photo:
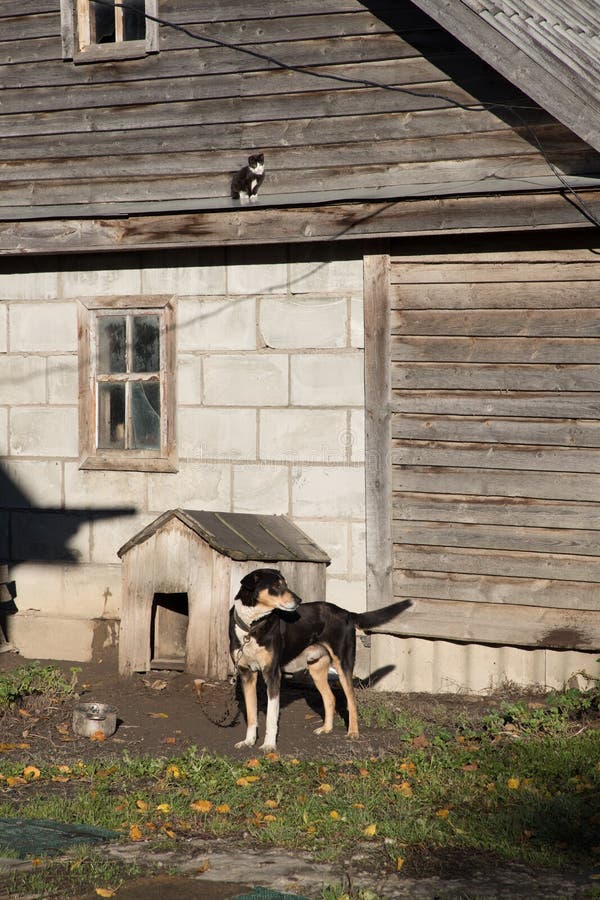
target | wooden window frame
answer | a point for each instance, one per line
(90, 456)
(76, 40)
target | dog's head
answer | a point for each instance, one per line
(267, 587)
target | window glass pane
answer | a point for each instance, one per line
(145, 415)
(111, 416)
(104, 23)
(112, 345)
(146, 344)
(134, 25)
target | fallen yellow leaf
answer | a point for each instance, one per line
(106, 892)
(513, 784)
(203, 867)
(98, 736)
(253, 763)
(141, 804)
(163, 808)
(135, 833)
(404, 789)
(174, 771)
(158, 715)
(370, 830)
(223, 808)
(399, 863)
(202, 806)
(31, 772)
(442, 813)
(324, 788)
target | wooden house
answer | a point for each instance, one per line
(396, 346)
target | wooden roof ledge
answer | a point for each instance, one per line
(240, 536)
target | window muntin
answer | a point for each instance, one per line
(108, 30)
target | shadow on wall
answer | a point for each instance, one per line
(480, 80)
(31, 533)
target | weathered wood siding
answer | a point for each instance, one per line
(175, 125)
(495, 393)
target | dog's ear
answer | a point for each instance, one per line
(249, 585)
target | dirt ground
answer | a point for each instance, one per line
(159, 713)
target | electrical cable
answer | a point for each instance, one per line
(363, 82)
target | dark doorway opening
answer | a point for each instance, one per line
(168, 631)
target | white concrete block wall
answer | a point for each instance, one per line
(270, 394)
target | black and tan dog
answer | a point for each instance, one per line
(270, 632)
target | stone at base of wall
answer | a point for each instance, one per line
(442, 667)
(38, 636)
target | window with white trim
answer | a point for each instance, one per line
(93, 30)
(127, 406)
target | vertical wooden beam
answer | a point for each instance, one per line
(376, 283)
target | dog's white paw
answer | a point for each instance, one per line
(246, 743)
(323, 730)
(268, 748)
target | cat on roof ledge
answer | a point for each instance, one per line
(246, 182)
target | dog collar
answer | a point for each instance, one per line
(243, 626)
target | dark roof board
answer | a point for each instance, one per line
(549, 49)
(240, 536)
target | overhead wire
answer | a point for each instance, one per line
(365, 82)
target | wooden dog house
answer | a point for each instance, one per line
(181, 573)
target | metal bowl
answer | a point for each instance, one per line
(93, 717)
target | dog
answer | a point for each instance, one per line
(271, 632)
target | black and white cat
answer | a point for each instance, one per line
(246, 182)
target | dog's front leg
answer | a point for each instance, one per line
(273, 680)
(249, 679)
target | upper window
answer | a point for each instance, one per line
(93, 30)
(127, 402)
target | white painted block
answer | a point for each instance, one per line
(31, 483)
(349, 594)
(216, 433)
(261, 489)
(44, 431)
(22, 379)
(356, 438)
(332, 537)
(185, 272)
(108, 535)
(43, 327)
(28, 286)
(53, 536)
(103, 282)
(63, 379)
(327, 379)
(357, 325)
(189, 380)
(3, 431)
(358, 566)
(89, 489)
(225, 324)
(320, 267)
(303, 435)
(256, 380)
(256, 270)
(3, 327)
(303, 322)
(195, 486)
(336, 492)
(40, 637)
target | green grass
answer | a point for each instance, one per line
(526, 793)
(35, 679)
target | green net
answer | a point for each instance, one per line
(43, 837)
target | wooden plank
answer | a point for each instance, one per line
(488, 623)
(573, 541)
(584, 405)
(495, 350)
(474, 561)
(497, 589)
(517, 511)
(561, 432)
(495, 456)
(554, 253)
(519, 272)
(377, 427)
(483, 377)
(504, 295)
(344, 221)
(497, 482)
(491, 323)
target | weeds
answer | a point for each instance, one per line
(28, 680)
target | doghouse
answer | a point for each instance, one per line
(180, 575)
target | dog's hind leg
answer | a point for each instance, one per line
(318, 671)
(249, 680)
(273, 680)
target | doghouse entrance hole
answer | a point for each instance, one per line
(168, 631)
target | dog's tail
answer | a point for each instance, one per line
(377, 617)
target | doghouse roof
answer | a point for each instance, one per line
(240, 536)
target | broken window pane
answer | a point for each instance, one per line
(145, 415)
(146, 344)
(111, 416)
(134, 24)
(112, 345)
